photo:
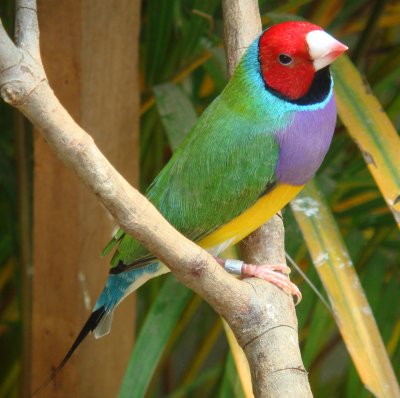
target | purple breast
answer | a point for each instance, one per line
(304, 144)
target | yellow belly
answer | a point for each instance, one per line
(251, 219)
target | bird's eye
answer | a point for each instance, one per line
(285, 59)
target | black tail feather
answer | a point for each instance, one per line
(90, 325)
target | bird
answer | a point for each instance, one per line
(249, 154)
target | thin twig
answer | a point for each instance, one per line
(9, 56)
(26, 27)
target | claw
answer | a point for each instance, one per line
(276, 274)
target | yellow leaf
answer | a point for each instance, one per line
(242, 366)
(350, 306)
(371, 129)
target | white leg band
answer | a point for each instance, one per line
(234, 266)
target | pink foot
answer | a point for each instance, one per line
(276, 274)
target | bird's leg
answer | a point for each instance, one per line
(276, 274)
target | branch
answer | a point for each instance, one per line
(27, 27)
(23, 84)
(283, 373)
(242, 24)
(8, 55)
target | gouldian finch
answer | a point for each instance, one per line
(248, 155)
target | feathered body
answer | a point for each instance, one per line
(248, 155)
(252, 147)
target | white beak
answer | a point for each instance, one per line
(323, 48)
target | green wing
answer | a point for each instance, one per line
(224, 165)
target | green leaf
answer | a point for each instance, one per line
(205, 378)
(230, 385)
(153, 337)
(371, 129)
(176, 112)
(352, 312)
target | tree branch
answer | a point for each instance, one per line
(281, 373)
(242, 24)
(244, 304)
(9, 56)
(24, 86)
(27, 27)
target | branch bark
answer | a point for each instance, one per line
(90, 52)
(281, 373)
(26, 27)
(255, 310)
(23, 84)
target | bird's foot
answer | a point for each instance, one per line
(274, 273)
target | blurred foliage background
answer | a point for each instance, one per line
(182, 69)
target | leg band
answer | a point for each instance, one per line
(234, 266)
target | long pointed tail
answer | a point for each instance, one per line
(118, 286)
(89, 327)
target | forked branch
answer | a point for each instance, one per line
(245, 305)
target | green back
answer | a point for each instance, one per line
(223, 166)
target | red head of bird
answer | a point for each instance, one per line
(291, 53)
